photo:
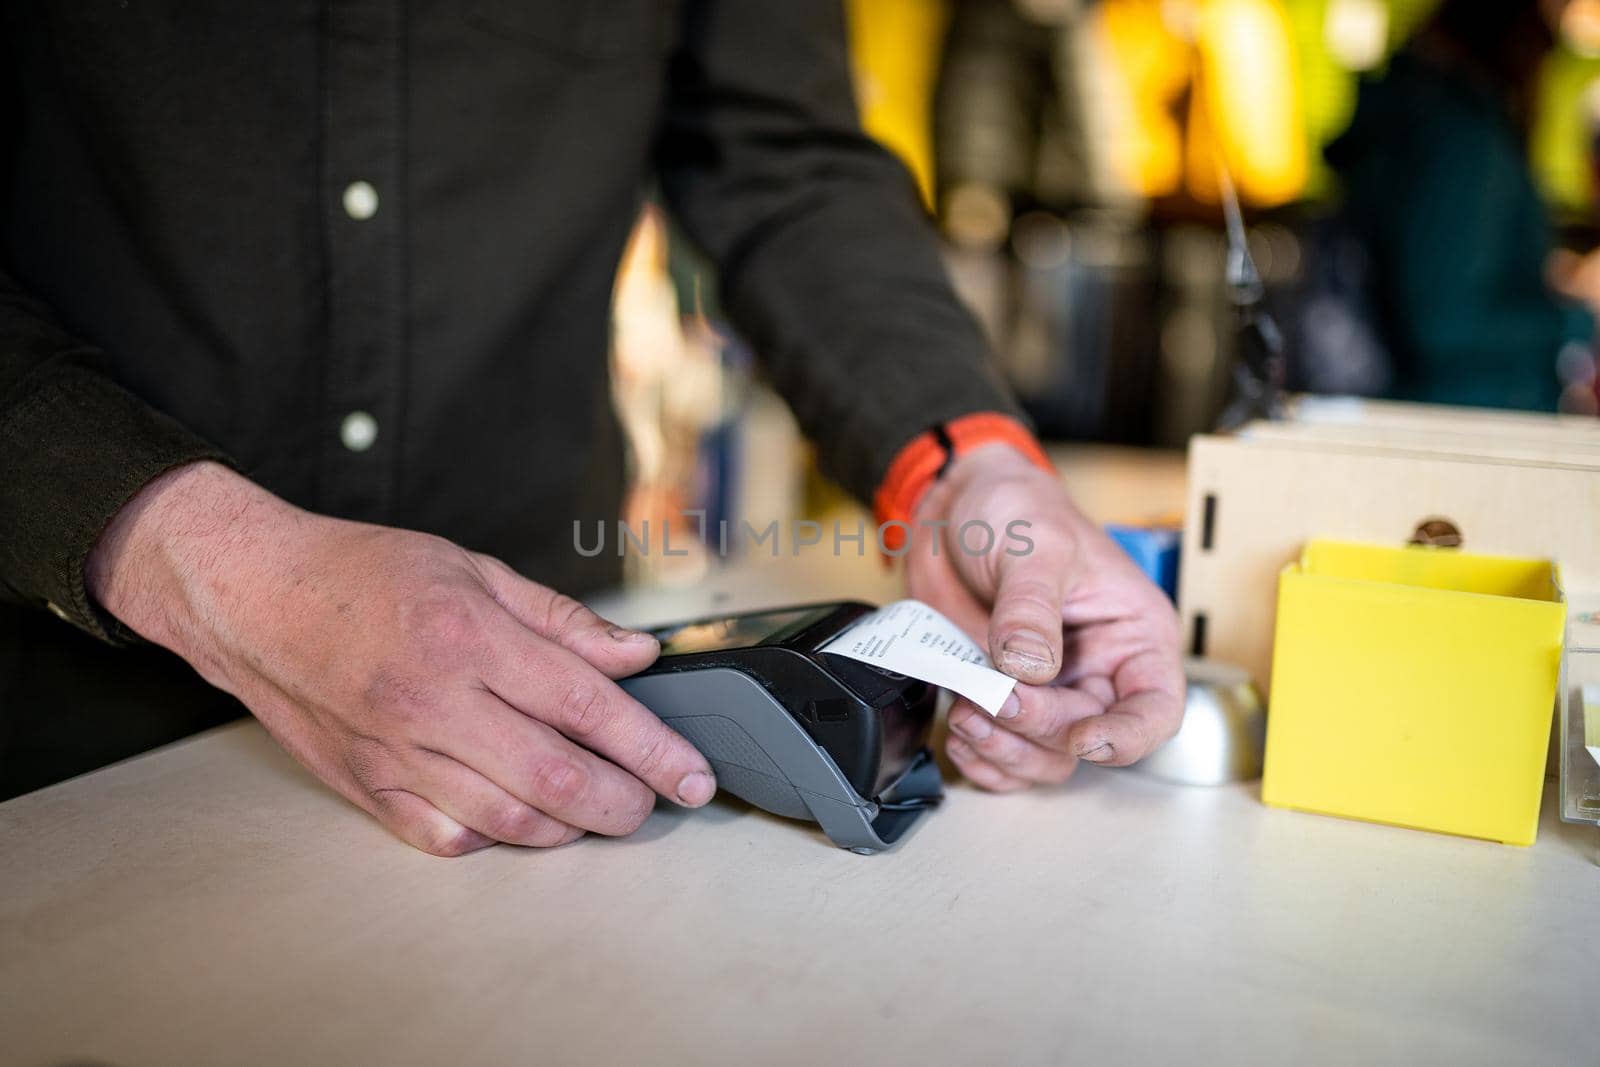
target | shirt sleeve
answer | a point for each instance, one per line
(74, 447)
(828, 264)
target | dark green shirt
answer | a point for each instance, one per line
(230, 229)
(1437, 184)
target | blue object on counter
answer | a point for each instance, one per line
(1155, 550)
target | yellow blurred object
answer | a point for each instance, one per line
(1356, 32)
(1414, 686)
(1248, 104)
(1230, 67)
(1567, 112)
(1156, 66)
(895, 47)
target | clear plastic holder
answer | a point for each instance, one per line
(1580, 770)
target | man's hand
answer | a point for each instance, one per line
(434, 687)
(1073, 617)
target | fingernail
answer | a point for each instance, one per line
(696, 789)
(622, 633)
(1011, 708)
(975, 726)
(1026, 651)
(1098, 753)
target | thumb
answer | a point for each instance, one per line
(1025, 622)
(613, 650)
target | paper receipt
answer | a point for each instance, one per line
(908, 637)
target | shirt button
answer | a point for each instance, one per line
(56, 610)
(358, 431)
(360, 201)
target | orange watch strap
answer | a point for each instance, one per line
(925, 456)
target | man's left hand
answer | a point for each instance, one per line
(1095, 643)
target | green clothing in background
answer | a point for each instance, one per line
(1438, 187)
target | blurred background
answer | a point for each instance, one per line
(1419, 185)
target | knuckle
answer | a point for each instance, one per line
(560, 782)
(1045, 721)
(984, 776)
(437, 837)
(448, 842)
(1000, 749)
(397, 693)
(550, 834)
(515, 823)
(1030, 598)
(1057, 771)
(643, 803)
(562, 616)
(366, 764)
(1141, 742)
(583, 709)
(444, 623)
(658, 747)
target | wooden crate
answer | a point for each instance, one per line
(1513, 484)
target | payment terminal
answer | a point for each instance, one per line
(796, 730)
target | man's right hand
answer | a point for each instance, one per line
(454, 700)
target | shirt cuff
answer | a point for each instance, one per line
(74, 448)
